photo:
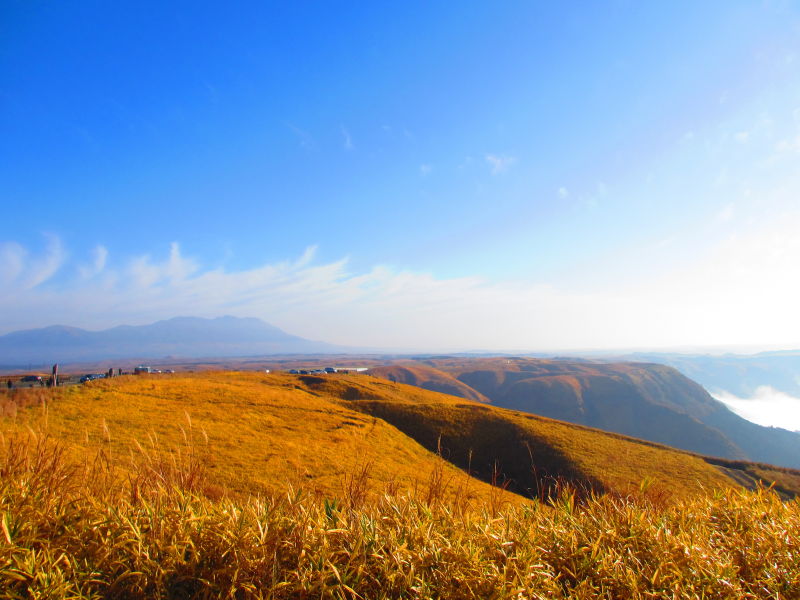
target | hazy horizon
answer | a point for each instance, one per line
(764, 405)
(537, 177)
(610, 352)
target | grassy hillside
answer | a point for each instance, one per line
(82, 531)
(642, 400)
(244, 485)
(259, 433)
(526, 452)
(256, 433)
(428, 378)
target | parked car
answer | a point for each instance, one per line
(91, 377)
(32, 379)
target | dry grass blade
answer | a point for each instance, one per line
(66, 531)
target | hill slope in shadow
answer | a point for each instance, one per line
(531, 454)
(647, 401)
(264, 432)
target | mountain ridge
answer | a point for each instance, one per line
(190, 337)
(738, 374)
(649, 401)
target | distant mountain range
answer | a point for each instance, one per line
(647, 401)
(188, 337)
(738, 374)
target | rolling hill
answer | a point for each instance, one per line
(647, 401)
(427, 378)
(259, 433)
(250, 485)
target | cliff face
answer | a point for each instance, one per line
(643, 400)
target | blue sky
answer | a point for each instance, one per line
(517, 175)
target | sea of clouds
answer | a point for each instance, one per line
(767, 406)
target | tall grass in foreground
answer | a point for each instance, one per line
(13, 401)
(70, 530)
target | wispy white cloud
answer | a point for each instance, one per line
(145, 273)
(347, 139)
(563, 192)
(741, 291)
(305, 139)
(21, 270)
(306, 258)
(468, 160)
(500, 163)
(38, 269)
(12, 261)
(99, 258)
(425, 169)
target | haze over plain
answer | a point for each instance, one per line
(530, 177)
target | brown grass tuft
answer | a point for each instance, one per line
(77, 530)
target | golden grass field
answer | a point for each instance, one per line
(88, 530)
(256, 433)
(428, 378)
(259, 432)
(247, 485)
